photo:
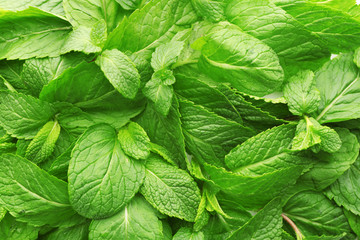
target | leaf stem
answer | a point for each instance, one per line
(181, 63)
(297, 231)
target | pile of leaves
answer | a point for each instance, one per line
(179, 119)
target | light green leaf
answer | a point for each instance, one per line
(35, 33)
(42, 146)
(88, 13)
(249, 65)
(136, 220)
(134, 141)
(301, 93)
(346, 190)
(189, 234)
(115, 178)
(266, 224)
(53, 6)
(265, 153)
(170, 190)
(339, 30)
(340, 100)
(38, 72)
(160, 93)
(212, 10)
(310, 133)
(32, 195)
(314, 214)
(165, 131)
(80, 40)
(129, 4)
(78, 232)
(296, 47)
(159, 20)
(120, 71)
(10, 229)
(328, 167)
(202, 215)
(22, 116)
(209, 136)
(166, 54)
(10, 75)
(82, 84)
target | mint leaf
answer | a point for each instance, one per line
(179, 195)
(80, 232)
(341, 104)
(120, 71)
(114, 174)
(136, 220)
(166, 55)
(188, 233)
(301, 93)
(134, 141)
(210, 10)
(313, 213)
(43, 35)
(54, 6)
(32, 195)
(254, 68)
(42, 146)
(11, 229)
(22, 116)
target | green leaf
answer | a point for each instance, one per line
(35, 33)
(82, 84)
(345, 191)
(339, 30)
(310, 133)
(10, 229)
(296, 47)
(202, 215)
(188, 233)
(54, 6)
(265, 153)
(134, 141)
(165, 131)
(38, 72)
(32, 195)
(23, 116)
(266, 224)
(250, 66)
(120, 71)
(10, 75)
(315, 215)
(212, 10)
(209, 136)
(170, 190)
(330, 166)
(354, 222)
(42, 146)
(160, 93)
(115, 178)
(301, 93)
(136, 220)
(339, 99)
(169, 17)
(88, 13)
(78, 232)
(166, 54)
(129, 4)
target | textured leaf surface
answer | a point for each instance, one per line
(102, 179)
(53, 6)
(22, 116)
(10, 229)
(313, 213)
(266, 224)
(32, 195)
(339, 99)
(188, 233)
(78, 232)
(35, 33)
(169, 189)
(230, 55)
(166, 54)
(42, 146)
(134, 141)
(136, 220)
(200, 128)
(120, 71)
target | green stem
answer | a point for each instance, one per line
(182, 63)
